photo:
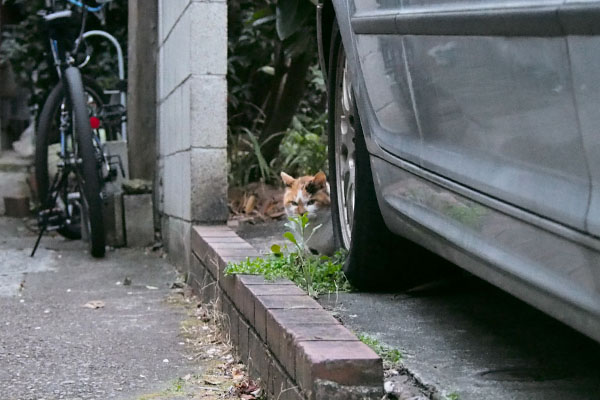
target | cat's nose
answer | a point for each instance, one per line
(301, 210)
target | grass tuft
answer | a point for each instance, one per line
(389, 355)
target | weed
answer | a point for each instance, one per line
(315, 274)
(453, 396)
(389, 355)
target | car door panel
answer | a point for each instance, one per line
(585, 61)
(497, 115)
(494, 113)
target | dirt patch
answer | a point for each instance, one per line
(220, 375)
(256, 202)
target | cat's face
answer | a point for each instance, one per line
(307, 194)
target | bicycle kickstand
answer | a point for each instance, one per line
(43, 215)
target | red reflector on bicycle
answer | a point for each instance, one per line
(94, 122)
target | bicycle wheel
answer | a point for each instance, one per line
(47, 149)
(89, 177)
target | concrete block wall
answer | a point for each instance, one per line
(192, 119)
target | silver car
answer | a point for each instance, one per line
(471, 128)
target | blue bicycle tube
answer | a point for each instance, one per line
(90, 9)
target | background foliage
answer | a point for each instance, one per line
(276, 101)
(276, 91)
(25, 45)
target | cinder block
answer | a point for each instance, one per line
(114, 220)
(178, 240)
(175, 118)
(209, 30)
(175, 58)
(139, 220)
(208, 102)
(169, 12)
(16, 206)
(176, 185)
(209, 185)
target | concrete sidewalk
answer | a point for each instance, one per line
(52, 347)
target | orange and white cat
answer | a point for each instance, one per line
(310, 194)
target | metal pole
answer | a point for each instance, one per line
(121, 64)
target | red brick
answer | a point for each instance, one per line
(245, 302)
(343, 362)
(272, 290)
(235, 245)
(210, 263)
(260, 321)
(280, 336)
(233, 252)
(258, 358)
(196, 273)
(263, 303)
(230, 321)
(290, 393)
(286, 302)
(260, 280)
(302, 332)
(243, 339)
(228, 283)
(301, 316)
(210, 231)
(278, 380)
(203, 229)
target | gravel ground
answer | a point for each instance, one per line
(53, 347)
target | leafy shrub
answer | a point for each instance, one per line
(316, 274)
(272, 60)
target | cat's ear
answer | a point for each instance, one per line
(287, 179)
(320, 179)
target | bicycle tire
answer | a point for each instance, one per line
(47, 133)
(90, 180)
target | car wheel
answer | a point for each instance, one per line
(377, 259)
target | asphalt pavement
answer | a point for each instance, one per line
(467, 339)
(52, 346)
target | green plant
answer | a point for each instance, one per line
(316, 274)
(453, 396)
(273, 79)
(389, 355)
(303, 150)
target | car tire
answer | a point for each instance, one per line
(377, 259)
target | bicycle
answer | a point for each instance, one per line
(72, 203)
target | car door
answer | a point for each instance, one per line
(495, 101)
(584, 53)
(481, 93)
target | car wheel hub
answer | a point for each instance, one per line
(345, 151)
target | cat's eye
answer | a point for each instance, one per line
(311, 202)
(294, 203)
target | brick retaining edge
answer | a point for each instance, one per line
(296, 348)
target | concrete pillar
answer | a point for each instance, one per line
(192, 115)
(141, 93)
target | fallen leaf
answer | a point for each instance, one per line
(213, 380)
(94, 304)
(250, 204)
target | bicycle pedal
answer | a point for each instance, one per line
(53, 219)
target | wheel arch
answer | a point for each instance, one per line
(325, 21)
